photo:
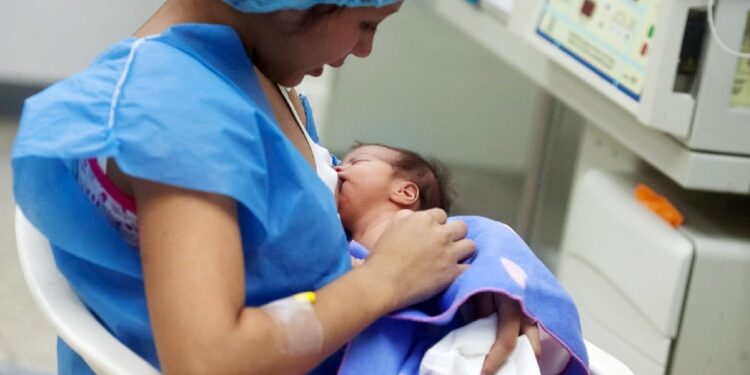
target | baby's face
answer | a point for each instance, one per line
(366, 177)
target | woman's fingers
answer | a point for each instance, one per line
(420, 253)
(457, 229)
(508, 325)
(463, 249)
(438, 214)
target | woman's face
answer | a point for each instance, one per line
(286, 57)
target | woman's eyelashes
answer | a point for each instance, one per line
(368, 26)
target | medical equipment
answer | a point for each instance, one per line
(656, 59)
(685, 110)
(662, 300)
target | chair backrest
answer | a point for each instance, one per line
(73, 322)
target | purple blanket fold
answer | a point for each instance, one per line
(503, 263)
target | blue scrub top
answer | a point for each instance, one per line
(183, 108)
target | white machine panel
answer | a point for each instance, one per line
(632, 275)
(607, 318)
(722, 113)
(628, 269)
(636, 239)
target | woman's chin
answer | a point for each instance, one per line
(291, 81)
(317, 72)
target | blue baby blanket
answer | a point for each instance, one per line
(503, 263)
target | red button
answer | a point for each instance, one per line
(588, 8)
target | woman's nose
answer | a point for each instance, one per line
(363, 48)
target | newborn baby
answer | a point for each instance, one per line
(376, 183)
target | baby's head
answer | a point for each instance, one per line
(376, 176)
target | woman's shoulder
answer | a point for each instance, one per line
(191, 60)
(184, 56)
(193, 73)
(185, 59)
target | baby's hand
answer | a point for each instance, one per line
(356, 262)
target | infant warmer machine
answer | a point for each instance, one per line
(659, 89)
(663, 300)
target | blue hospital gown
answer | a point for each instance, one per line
(182, 108)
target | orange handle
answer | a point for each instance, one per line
(659, 205)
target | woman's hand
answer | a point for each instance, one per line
(510, 324)
(419, 255)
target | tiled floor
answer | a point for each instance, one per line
(27, 341)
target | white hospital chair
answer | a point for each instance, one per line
(102, 351)
(73, 322)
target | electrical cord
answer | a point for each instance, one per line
(715, 34)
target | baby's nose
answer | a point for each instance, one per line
(338, 169)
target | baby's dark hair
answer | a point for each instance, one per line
(431, 177)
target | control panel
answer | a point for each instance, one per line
(611, 38)
(673, 64)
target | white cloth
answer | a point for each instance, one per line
(323, 161)
(462, 352)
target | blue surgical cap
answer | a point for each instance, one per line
(265, 6)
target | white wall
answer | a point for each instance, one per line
(45, 40)
(429, 87)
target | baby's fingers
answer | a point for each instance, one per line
(531, 330)
(484, 305)
(508, 326)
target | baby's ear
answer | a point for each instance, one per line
(405, 193)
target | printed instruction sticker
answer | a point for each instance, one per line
(741, 89)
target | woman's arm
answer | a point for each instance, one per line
(194, 279)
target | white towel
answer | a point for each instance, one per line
(462, 352)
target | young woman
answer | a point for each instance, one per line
(190, 203)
